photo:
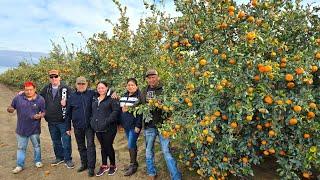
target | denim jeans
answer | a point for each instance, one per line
(22, 146)
(61, 141)
(132, 137)
(150, 136)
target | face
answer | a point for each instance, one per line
(54, 79)
(102, 89)
(131, 87)
(153, 80)
(81, 87)
(29, 91)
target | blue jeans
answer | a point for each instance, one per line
(61, 141)
(150, 135)
(132, 138)
(22, 146)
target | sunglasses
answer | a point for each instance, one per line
(53, 76)
(81, 83)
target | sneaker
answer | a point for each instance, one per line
(17, 170)
(39, 165)
(112, 170)
(91, 172)
(102, 170)
(69, 164)
(56, 162)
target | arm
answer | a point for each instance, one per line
(41, 113)
(13, 106)
(68, 116)
(115, 111)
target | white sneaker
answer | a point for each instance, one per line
(39, 165)
(17, 170)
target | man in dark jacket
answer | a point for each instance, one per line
(56, 95)
(79, 112)
(152, 92)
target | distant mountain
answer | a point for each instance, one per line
(10, 58)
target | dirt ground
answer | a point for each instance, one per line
(8, 155)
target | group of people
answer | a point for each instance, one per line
(92, 113)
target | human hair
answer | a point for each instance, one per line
(134, 80)
(28, 84)
(103, 82)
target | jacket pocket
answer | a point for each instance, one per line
(98, 124)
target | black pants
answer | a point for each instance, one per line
(106, 140)
(87, 152)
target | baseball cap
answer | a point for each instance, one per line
(151, 72)
(53, 72)
(81, 79)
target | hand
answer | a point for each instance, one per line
(68, 132)
(137, 130)
(37, 116)
(63, 102)
(10, 109)
(114, 96)
(20, 92)
(124, 108)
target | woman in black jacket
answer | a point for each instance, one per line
(130, 123)
(105, 112)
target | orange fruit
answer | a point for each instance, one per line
(203, 62)
(284, 60)
(297, 108)
(256, 77)
(224, 117)
(266, 153)
(299, 71)
(250, 19)
(187, 100)
(288, 101)
(225, 159)
(264, 142)
(293, 121)
(311, 115)
(241, 14)
(209, 139)
(317, 55)
(306, 135)
(282, 153)
(272, 151)
(231, 8)
(267, 124)
(283, 65)
(259, 127)
(314, 68)
(217, 113)
(251, 36)
(223, 56)
(215, 51)
(175, 45)
(231, 13)
(306, 175)
(245, 160)
(272, 133)
(232, 61)
(288, 77)
(268, 68)
(268, 99)
(234, 125)
(312, 105)
(190, 104)
(223, 25)
(290, 85)
(254, 3)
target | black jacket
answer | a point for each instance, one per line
(157, 118)
(128, 121)
(105, 115)
(53, 105)
(79, 109)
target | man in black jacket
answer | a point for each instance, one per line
(152, 92)
(56, 95)
(79, 112)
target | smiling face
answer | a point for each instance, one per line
(29, 91)
(81, 87)
(153, 80)
(132, 87)
(55, 79)
(102, 89)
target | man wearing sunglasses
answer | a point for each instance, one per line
(79, 113)
(56, 95)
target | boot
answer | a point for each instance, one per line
(133, 163)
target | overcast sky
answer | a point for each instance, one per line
(29, 25)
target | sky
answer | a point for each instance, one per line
(30, 25)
